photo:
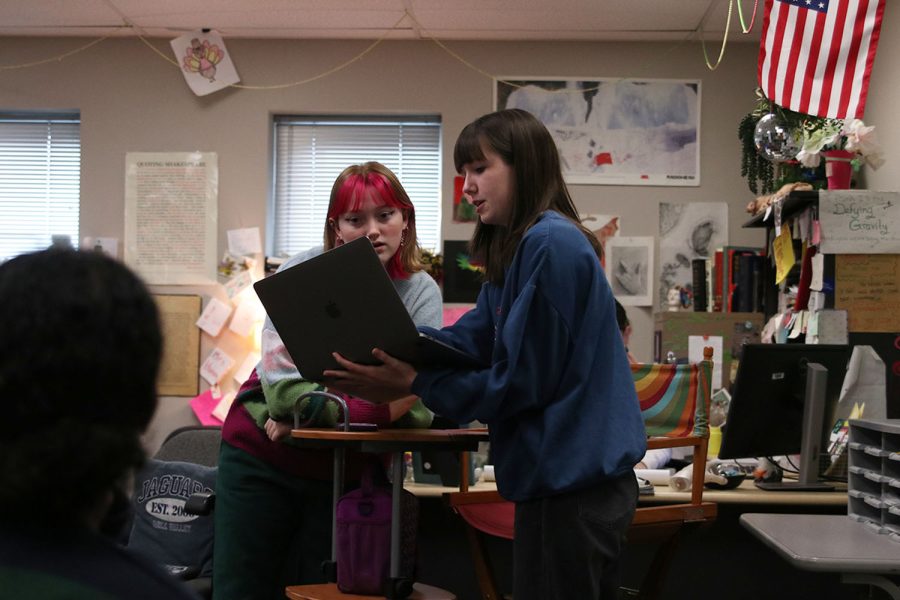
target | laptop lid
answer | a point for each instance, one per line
(344, 301)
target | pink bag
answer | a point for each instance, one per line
(363, 539)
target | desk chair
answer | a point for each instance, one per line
(674, 402)
(188, 452)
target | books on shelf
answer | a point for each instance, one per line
(700, 283)
(747, 300)
(746, 296)
(730, 281)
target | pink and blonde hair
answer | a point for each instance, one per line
(350, 190)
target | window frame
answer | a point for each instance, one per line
(22, 167)
(425, 128)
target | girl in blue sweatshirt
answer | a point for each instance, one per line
(558, 397)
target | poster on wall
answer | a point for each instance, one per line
(615, 131)
(629, 268)
(687, 231)
(171, 210)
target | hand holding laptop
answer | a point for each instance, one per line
(374, 383)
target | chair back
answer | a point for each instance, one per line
(674, 398)
(195, 444)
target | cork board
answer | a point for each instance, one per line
(179, 371)
(867, 286)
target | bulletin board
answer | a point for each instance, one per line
(868, 288)
(179, 370)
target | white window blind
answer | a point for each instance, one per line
(40, 180)
(310, 152)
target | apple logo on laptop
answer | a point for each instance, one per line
(332, 310)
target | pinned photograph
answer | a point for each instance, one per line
(629, 268)
(204, 61)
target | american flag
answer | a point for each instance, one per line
(815, 56)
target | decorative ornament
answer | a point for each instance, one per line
(774, 139)
(204, 61)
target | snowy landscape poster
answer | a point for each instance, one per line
(615, 131)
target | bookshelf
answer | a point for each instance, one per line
(885, 342)
(792, 205)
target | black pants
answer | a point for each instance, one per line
(568, 546)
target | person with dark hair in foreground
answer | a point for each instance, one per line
(79, 353)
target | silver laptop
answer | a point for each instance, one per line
(343, 301)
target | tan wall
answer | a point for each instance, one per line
(131, 99)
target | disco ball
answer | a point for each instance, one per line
(774, 140)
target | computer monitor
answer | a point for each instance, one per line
(783, 402)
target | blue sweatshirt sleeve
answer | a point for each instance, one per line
(525, 366)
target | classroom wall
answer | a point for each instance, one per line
(132, 99)
(884, 97)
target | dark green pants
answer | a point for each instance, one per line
(272, 529)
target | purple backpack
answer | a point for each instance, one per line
(363, 538)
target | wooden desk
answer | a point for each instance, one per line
(830, 543)
(390, 440)
(746, 493)
(725, 546)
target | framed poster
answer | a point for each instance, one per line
(629, 268)
(615, 131)
(687, 231)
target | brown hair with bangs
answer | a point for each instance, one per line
(350, 190)
(523, 143)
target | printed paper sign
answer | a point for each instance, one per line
(237, 284)
(214, 316)
(696, 344)
(244, 241)
(171, 209)
(246, 316)
(859, 222)
(215, 366)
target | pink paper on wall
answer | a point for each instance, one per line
(203, 406)
(452, 315)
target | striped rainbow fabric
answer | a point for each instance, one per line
(667, 393)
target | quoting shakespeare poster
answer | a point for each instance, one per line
(171, 208)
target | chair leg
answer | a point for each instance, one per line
(652, 585)
(482, 565)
